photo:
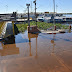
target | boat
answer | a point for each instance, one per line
(51, 17)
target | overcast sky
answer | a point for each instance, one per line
(8, 6)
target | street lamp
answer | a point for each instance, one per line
(28, 14)
(35, 12)
(27, 4)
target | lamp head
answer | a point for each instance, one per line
(34, 1)
(27, 4)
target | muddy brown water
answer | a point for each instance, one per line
(36, 53)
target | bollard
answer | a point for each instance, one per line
(54, 27)
(69, 26)
(69, 30)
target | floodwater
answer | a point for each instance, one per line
(27, 52)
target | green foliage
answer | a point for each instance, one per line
(21, 27)
(41, 25)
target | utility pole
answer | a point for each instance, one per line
(6, 8)
(54, 10)
(31, 6)
(28, 14)
(35, 12)
(56, 7)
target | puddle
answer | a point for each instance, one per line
(37, 51)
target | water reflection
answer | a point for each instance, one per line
(9, 45)
(32, 36)
(8, 49)
(20, 38)
(16, 31)
(40, 52)
(53, 42)
(9, 40)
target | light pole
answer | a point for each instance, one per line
(35, 12)
(28, 14)
(6, 8)
(54, 10)
(31, 6)
(56, 7)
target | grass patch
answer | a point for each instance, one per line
(22, 27)
(41, 25)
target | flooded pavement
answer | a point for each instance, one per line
(36, 53)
